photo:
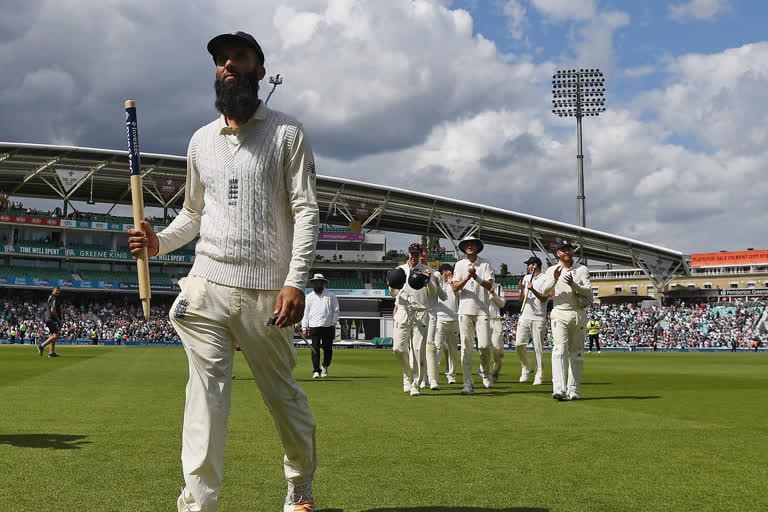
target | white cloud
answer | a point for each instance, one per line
(698, 9)
(515, 13)
(638, 71)
(718, 98)
(594, 40)
(563, 10)
(408, 94)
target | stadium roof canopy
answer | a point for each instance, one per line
(33, 170)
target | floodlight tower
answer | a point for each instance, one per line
(275, 81)
(578, 93)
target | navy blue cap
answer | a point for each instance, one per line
(533, 259)
(241, 37)
(415, 248)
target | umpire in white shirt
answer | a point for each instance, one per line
(573, 293)
(321, 312)
(532, 321)
(472, 280)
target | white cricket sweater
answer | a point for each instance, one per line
(253, 205)
(567, 297)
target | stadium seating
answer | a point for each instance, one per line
(35, 243)
(508, 283)
(334, 229)
(346, 283)
(35, 272)
(122, 277)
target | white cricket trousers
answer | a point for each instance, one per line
(446, 341)
(568, 328)
(409, 333)
(209, 318)
(525, 329)
(497, 344)
(469, 326)
(420, 370)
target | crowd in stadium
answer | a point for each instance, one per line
(682, 326)
(118, 319)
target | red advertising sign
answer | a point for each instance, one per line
(21, 219)
(511, 294)
(729, 258)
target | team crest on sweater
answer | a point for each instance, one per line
(234, 190)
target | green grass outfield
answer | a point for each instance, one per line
(99, 430)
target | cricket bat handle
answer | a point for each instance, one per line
(137, 199)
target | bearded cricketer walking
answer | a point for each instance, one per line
(250, 195)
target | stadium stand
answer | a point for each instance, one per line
(34, 272)
(122, 277)
(334, 229)
(683, 326)
(115, 318)
(509, 283)
(346, 283)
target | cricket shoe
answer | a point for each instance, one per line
(434, 385)
(306, 506)
(422, 384)
(537, 381)
(414, 391)
(525, 375)
(573, 396)
(480, 371)
(468, 390)
(299, 498)
(451, 380)
(316, 375)
(495, 376)
(324, 372)
(182, 505)
(560, 397)
(488, 382)
(54, 355)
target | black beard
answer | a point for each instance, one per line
(238, 98)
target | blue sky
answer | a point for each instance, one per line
(452, 98)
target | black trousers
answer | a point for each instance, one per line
(596, 339)
(322, 337)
